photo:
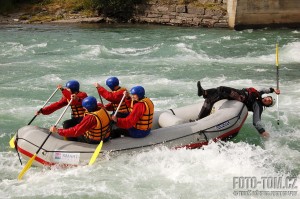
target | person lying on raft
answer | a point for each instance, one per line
(94, 127)
(72, 88)
(114, 97)
(251, 97)
(139, 121)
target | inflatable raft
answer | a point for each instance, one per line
(174, 128)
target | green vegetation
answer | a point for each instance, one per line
(49, 10)
(121, 10)
(7, 6)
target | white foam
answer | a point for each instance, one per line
(134, 51)
(289, 53)
(168, 71)
(261, 70)
(156, 173)
(191, 37)
(71, 41)
(226, 38)
(125, 39)
(90, 51)
(15, 49)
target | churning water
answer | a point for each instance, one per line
(167, 61)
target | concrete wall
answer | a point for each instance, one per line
(255, 13)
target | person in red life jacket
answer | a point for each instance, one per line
(114, 97)
(249, 96)
(72, 89)
(139, 121)
(94, 126)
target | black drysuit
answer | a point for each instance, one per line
(248, 96)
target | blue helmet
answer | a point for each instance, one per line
(139, 91)
(112, 82)
(73, 85)
(90, 103)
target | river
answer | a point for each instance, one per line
(167, 61)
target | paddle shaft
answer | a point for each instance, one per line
(44, 105)
(277, 81)
(101, 99)
(50, 97)
(100, 96)
(99, 147)
(55, 125)
(11, 142)
(120, 104)
(30, 161)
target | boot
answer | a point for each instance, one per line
(200, 89)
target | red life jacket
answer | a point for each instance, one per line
(123, 108)
(145, 122)
(102, 129)
(252, 97)
(253, 93)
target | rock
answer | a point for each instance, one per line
(163, 8)
(195, 10)
(181, 8)
(221, 25)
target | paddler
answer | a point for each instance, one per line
(139, 121)
(94, 126)
(114, 96)
(251, 97)
(71, 89)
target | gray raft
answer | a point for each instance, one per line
(174, 128)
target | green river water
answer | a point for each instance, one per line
(167, 61)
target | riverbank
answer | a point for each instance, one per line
(201, 13)
(233, 14)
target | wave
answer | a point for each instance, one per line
(287, 54)
(94, 51)
(134, 51)
(156, 173)
(187, 37)
(15, 49)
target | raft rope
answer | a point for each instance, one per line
(16, 147)
(172, 111)
(152, 144)
(202, 132)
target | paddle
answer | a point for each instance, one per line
(99, 147)
(97, 85)
(101, 99)
(12, 140)
(29, 163)
(277, 81)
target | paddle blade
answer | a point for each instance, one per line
(277, 57)
(27, 166)
(96, 153)
(12, 142)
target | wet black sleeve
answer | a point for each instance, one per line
(257, 111)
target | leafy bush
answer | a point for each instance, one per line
(6, 5)
(122, 10)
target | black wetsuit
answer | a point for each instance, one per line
(251, 99)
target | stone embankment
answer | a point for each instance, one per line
(205, 13)
(201, 13)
